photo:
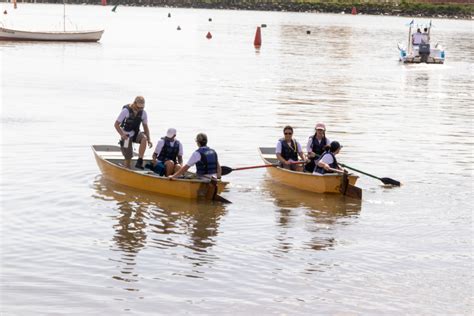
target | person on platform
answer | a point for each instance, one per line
(417, 37)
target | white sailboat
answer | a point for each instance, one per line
(9, 34)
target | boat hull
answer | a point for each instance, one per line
(107, 158)
(69, 36)
(328, 183)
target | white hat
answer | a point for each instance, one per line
(171, 132)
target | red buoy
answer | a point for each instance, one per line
(354, 11)
(209, 35)
(257, 42)
(104, 2)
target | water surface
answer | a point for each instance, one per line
(74, 243)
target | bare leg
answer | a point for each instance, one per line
(177, 167)
(128, 163)
(169, 165)
(141, 149)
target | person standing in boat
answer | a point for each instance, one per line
(417, 37)
(316, 146)
(426, 36)
(288, 149)
(128, 126)
(168, 155)
(328, 163)
(205, 159)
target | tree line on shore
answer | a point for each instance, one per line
(402, 8)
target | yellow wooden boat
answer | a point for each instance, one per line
(110, 160)
(328, 183)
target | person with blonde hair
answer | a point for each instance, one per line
(127, 126)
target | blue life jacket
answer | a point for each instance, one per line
(333, 165)
(208, 162)
(316, 147)
(288, 152)
(132, 122)
(169, 152)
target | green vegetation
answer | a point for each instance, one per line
(377, 7)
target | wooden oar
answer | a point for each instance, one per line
(226, 170)
(384, 180)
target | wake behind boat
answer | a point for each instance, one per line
(7, 34)
(109, 159)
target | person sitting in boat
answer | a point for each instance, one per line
(205, 159)
(417, 37)
(168, 155)
(328, 163)
(288, 150)
(425, 39)
(316, 145)
(128, 126)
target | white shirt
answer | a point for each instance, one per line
(161, 143)
(309, 145)
(326, 159)
(125, 114)
(425, 39)
(278, 148)
(417, 38)
(195, 157)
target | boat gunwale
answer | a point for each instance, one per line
(298, 172)
(157, 177)
(85, 32)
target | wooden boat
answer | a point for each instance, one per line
(7, 34)
(110, 159)
(328, 183)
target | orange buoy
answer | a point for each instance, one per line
(104, 2)
(209, 35)
(354, 11)
(257, 42)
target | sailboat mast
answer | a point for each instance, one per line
(64, 15)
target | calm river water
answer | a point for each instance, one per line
(73, 243)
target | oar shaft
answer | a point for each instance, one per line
(367, 174)
(254, 167)
(267, 165)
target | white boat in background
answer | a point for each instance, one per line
(422, 53)
(10, 34)
(7, 34)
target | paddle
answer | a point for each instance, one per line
(384, 180)
(226, 170)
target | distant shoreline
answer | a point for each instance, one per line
(404, 8)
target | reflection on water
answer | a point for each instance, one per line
(144, 220)
(323, 213)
